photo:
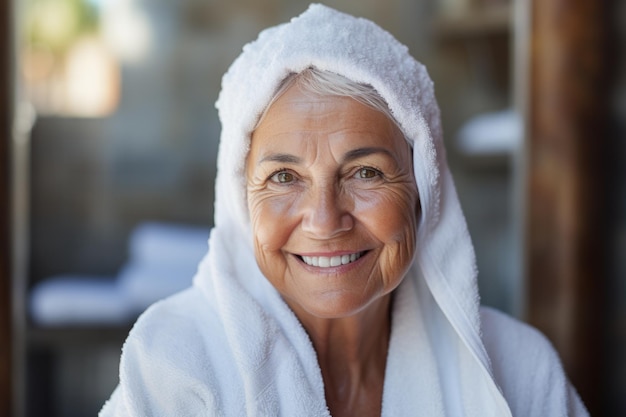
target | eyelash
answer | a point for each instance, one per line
(279, 171)
(378, 174)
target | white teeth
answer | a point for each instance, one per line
(326, 262)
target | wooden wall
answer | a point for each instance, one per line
(567, 137)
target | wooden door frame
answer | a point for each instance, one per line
(6, 123)
(567, 107)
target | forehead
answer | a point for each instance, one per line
(298, 117)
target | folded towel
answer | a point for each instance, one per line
(155, 243)
(79, 300)
(498, 133)
(163, 260)
(145, 283)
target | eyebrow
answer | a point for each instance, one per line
(361, 152)
(285, 158)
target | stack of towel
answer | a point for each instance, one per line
(163, 259)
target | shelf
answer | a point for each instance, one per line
(76, 336)
(475, 22)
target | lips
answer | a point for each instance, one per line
(331, 261)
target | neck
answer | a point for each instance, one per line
(352, 354)
(351, 339)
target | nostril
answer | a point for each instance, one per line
(324, 212)
(327, 223)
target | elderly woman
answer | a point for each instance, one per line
(340, 278)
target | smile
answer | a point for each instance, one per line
(331, 261)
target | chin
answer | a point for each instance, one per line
(336, 306)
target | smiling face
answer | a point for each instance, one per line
(333, 203)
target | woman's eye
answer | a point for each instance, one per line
(367, 173)
(283, 177)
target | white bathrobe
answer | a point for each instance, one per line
(230, 346)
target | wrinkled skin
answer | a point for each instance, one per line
(330, 176)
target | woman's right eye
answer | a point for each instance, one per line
(283, 177)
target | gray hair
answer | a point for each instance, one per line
(326, 83)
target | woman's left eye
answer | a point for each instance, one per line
(367, 173)
(283, 177)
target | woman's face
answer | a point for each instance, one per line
(333, 203)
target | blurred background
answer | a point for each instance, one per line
(112, 162)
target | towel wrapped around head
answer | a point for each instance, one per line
(230, 345)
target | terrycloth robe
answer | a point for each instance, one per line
(231, 346)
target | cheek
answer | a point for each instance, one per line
(395, 229)
(269, 235)
(272, 219)
(389, 214)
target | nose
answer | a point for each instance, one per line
(326, 213)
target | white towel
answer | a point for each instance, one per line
(167, 244)
(143, 283)
(231, 346)
(491, 134)
(163, 259)
(79, 300)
